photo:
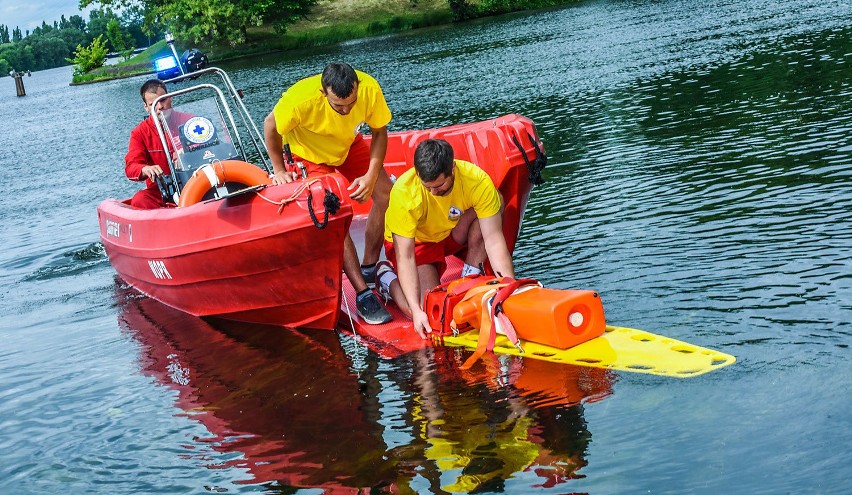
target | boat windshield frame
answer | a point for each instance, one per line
(254, 134)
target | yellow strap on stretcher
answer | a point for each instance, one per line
(621, 349)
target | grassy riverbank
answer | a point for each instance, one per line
(331, 21)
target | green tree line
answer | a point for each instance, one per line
(213, 21)
(51, 45)
(198, 21)
(227, 21)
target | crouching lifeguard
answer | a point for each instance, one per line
(438, 208)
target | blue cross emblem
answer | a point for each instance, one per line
(198, 130)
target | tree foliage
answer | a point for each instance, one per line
(90, 57)
(76, 22)
(51, 44)
(18, 56)
(133, 20)
(213, 20)
(48, 51)
(197, 21)
(121, 41)
(462, 10)
(98, 20)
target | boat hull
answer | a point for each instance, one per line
(239, 258)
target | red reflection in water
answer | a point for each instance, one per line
(289, 402)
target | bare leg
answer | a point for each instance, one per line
(475, 246)
(429, 278)
(375, 230)
(351, 267)
(467, 233)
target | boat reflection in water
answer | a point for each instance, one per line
(300, 410)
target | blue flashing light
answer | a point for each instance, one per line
(165, 63)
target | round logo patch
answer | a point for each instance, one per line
(455, 213)
(198, 130)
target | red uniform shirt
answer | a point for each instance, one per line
(146, 148)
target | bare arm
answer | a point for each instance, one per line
(363, 186)
(495, 245)
(276, 151)
(409, 281)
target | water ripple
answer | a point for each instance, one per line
(700, 162)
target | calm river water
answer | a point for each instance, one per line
(700, 178)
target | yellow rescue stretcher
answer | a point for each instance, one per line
(522, 318)
(621, 349)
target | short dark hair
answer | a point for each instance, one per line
(432, 158)
(340, 77)
(151, 86)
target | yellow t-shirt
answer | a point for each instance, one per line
(416, 213)
(315, 131)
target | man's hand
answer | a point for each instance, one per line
(421, 322)
(363, 187)
(283, 177)
(151, 171)
(276, 152)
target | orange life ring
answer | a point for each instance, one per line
(220, 172)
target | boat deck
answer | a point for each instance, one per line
(396, 337)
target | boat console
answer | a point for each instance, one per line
(203, 131)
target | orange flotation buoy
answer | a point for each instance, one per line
(557, 318)
(216, 174)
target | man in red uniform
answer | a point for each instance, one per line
(146, 158)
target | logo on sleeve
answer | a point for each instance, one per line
(455, 214)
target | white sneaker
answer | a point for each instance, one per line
(383, 267)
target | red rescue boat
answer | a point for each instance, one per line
(238, 248)
(234, 247)
(238, 258)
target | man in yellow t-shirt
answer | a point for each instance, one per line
(436, 209)
(321, 118)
